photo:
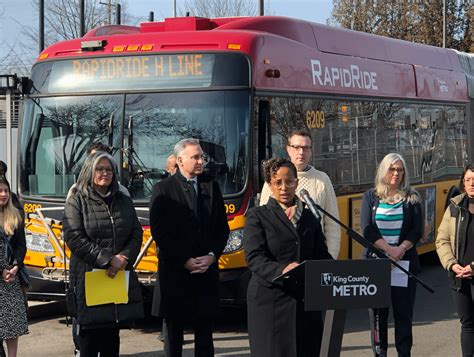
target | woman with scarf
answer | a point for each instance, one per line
(277, 237)
(13, 318)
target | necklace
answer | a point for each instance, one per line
(393, 199)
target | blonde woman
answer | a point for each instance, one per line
(391, 218)
(13, 319)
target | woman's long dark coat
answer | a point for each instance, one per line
(95, 233)
(271, 242)
(182, 233)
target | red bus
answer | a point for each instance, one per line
(239, 85)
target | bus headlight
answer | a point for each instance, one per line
(234, 243)
(38, 243)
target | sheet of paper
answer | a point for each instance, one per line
(101, 289)
(399, 278)
(127, 280)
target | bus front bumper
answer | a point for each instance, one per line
(233, 285)
(43, 288)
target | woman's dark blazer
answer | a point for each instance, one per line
(271, 242)
(412, 226)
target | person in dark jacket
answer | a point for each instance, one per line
(391, 218)
(102, 230)
(277, 237)
(455, 248)
(189, 225)
(13, 319)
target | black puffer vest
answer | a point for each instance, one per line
(95, 233)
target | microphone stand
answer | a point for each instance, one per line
(367, 244)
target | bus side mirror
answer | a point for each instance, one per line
(26, 84)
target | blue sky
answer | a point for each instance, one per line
(22, 11)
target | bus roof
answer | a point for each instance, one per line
(292, 55)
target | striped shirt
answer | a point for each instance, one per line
(389, 220)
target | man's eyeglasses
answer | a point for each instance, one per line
(299, 147)
(392, 170)
(104, 170)
(279, 183)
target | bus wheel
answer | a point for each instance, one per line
(453, 192)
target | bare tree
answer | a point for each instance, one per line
(15, 59)
(62, 18)
(221, 8)
(417, 21)
(62, 22)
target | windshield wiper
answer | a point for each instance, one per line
(137, 169)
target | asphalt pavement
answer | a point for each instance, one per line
(436, 328)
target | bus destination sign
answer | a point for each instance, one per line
(178, 66)
(132, 72)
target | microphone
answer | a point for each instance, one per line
(309, 201)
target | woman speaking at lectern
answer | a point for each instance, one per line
(277, 237)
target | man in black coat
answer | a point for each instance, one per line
(189, 225)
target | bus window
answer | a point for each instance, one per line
(351, 137)
(53, 148)
(399, 121)
(218, 119)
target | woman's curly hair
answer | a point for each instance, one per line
(271, 166)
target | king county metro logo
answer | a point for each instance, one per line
(327, 279)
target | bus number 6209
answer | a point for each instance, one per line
(315, 119)
(229, 208)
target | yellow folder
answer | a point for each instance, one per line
(101, 289)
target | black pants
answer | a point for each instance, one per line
(164, 337)
(403, 301)
(309, 332)
(75, 334)
(203, 343)
(464, 300)
(103, 340)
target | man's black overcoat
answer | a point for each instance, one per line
(180, 233)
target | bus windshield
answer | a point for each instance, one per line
(141, 128)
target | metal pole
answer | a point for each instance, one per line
(444, 23)
(41, 26)
(109, 12)
(357, 148)
(118, 14)
(151, 16)
(174, 8)
(82, 25)
(261, 8)
(9, 135)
